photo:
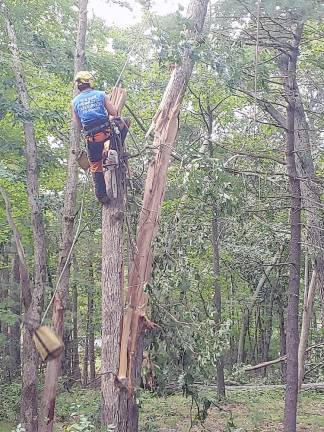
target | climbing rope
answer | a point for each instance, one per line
(70, 252)
(81, 211)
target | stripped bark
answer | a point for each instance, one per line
(67, 233)
(165, 126)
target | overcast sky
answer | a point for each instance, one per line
(122, 17)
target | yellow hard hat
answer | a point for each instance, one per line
(84, 77)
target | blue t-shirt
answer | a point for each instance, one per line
(90, 107)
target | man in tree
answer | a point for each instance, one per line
(92, 111)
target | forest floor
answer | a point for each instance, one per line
(243, 411)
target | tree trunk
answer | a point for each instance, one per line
(307, 317)
(252, 302)
(266, 332)
(282, 332)
(311, 195)
(85, 374)
(30, 357)
(90, 328)
(165, 126)
(295, 240)
(4, 329)
(67, 233)
(89, 350)
(114, 396)
(15, 328)
(76, 374)
(217, 301)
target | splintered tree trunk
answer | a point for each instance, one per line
(67, 233)
(114, 397)
(165, 126)
(30, 357)
(217, 301)
(295, 242)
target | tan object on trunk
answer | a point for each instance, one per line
(48, 344)
(83, 160)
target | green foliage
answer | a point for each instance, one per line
(10, 401)
(81, 422)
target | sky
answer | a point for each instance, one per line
(120, 16)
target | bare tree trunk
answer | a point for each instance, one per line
(76, 374)
(307, 317)
(4, 290)
(282, 332)
(252, 302)
(15, 328)
(217, 301)
(90, 329)
(289, 71)
(311, 195)
(89, 350)
(267, 330)
(30, 357)
(67, 233)
(85, 372)
(114, 396)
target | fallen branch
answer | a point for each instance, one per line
(278, 360)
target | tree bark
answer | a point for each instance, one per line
(217, 301)
(114, 396)
(4, 328)
(30, 358)
(307, 317)
(282, 332)
(90, 328)
(289, 70)
(67, 233)
(14, 347)
(165, 126)
(76, 374)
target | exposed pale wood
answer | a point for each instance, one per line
(165, 127)
(278, 360)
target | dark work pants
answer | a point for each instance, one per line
(95, 151)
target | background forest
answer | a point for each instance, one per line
(222, 256)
